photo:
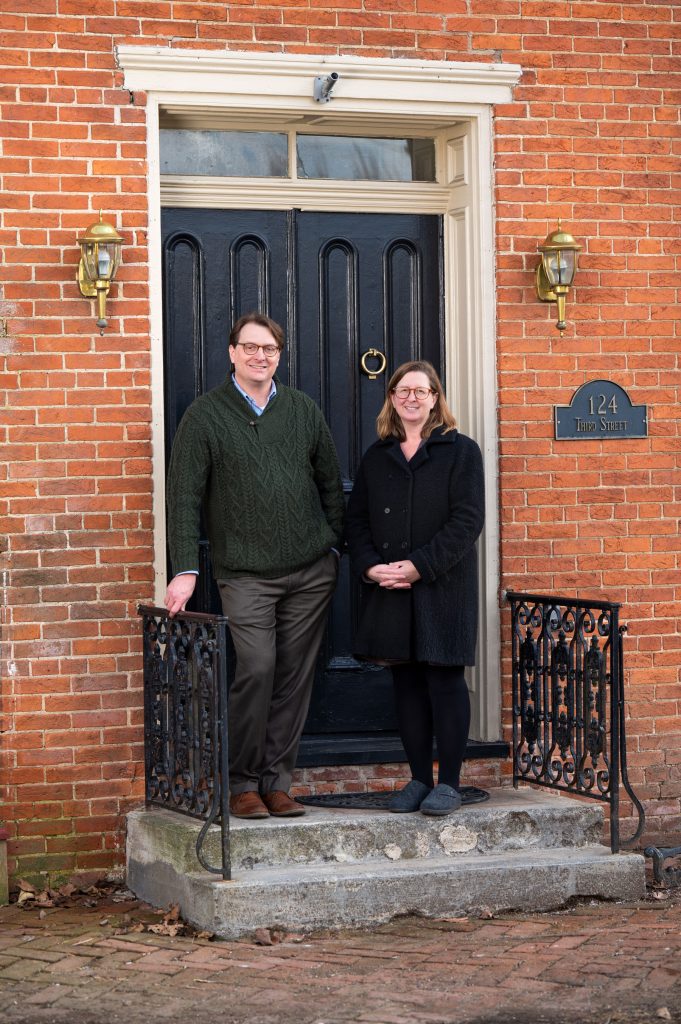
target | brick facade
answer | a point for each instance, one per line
(592, 135)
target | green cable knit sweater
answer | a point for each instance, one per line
(269, 485)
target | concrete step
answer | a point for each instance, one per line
(510, 820)
(338, 868)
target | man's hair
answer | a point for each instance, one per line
(389, 424)
(272, 326)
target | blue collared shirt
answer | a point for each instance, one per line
(258, 410)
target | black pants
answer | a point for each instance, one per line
(432, 702)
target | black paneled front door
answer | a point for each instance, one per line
(341, 285)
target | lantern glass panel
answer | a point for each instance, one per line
(560, 267)
(108, 258)
(89, 251)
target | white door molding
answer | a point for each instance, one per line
(256, 81)
(452, 101)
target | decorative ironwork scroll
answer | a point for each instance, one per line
(669, 876)
(568, 700)
(185, 719)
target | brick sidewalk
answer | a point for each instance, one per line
(599, 963)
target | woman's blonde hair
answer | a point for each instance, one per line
(389, 424)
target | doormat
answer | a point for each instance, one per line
(378, 801)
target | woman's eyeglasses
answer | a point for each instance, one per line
(420, 394)
(250, 348)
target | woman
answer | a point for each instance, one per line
(414, 515)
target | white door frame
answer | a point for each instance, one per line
(453, 102)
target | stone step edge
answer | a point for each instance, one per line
(329, 897)
(562, 857)
(364, 836)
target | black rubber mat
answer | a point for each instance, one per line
(379, 801)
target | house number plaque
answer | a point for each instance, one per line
(600, 410)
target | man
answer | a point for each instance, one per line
(259, 458)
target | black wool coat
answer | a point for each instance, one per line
(429, 510)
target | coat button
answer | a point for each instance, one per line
(386, 510)
(385, 546)
(403, 544)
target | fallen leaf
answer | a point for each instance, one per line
(129, 929)
(173, 914)
(25, 895)
(104, 921)
(664, 1013)
(26, 886)
(166, 929)
(263, 937)
(123, 895)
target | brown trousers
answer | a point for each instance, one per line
(277, 627)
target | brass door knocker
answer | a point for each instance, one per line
(373, 353)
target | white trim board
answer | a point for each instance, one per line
(281, 80)
(451, 100)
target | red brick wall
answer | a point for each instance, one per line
(592, 135)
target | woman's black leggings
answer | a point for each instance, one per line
(432, 700)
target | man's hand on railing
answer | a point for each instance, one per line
(180, 589)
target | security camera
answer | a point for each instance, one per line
(323, 84)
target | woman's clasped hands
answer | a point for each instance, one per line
(394, 575)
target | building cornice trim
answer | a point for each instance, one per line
(444, 84)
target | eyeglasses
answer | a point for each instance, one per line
(250, 349)
(420, 394)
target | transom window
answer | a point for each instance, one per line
(223, 154)
(296, 155)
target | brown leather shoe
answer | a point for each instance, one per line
(247, 805)
(281, 805)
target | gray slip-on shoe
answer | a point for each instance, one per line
(441, 800)
(410, 798)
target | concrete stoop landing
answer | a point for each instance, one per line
(349, 868)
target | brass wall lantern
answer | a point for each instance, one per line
(556, 270)
(100, 249)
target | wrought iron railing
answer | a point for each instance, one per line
(568, 700)
(185, 720)
(665, 875)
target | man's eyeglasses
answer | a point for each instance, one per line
(250, 349)
(420, 394)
